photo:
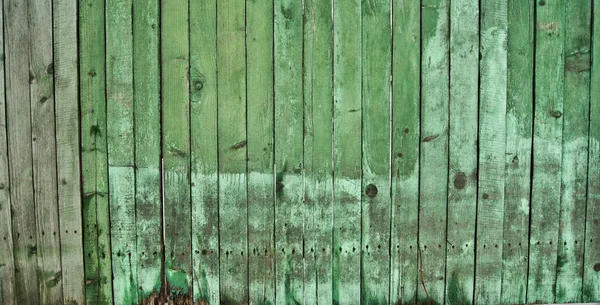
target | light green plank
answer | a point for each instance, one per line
(18, 116)
(120, 136)
(203, 141)
(547, 141)
(375, 106)
(405, 150)
(317, 152)
(148, 201)
(232, 136)
(462, 171)
(591, 267)
(574, 151)
(434, 149)
(347, 151)
(517, 182)
(259, 47)
(289, 210)
(176, 150)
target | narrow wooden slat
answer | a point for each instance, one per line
(462, 168)
(17, 50)
(318, 62)
(261, 202)
(569, 272)
(591, 267)
(121, 157)
(434, 149)
(203, 141)
(176, 149)
(405, 150)
(547, 142)
(375, 107)
(148, 201)
(289, 163)
(347, 151)
(232, 140)
(94, 167)
(517, 182)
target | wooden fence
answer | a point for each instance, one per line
(299, 152)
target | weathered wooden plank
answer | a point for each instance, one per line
(121, 150)
(232, 140)
(43, 147)
(434, 149)
(517, 181)
(260, 120)
(176, 149)
(405, 150)
(289, 162)
(18, 112)
(318, 138)
(95, 214)
(462, 166)
(569, 272)
(591, 267)
(347, 151)
(375, 107)
(148, 201)
(204, 154)
(547, 142)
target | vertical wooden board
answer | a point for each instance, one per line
(434, 149)
(591, 267)
(94, 168)
(121, 148)
(148, 201)
(375, 106)
(261, 201)
(176, 149)
(406, 67)
(462, 170)
(43, 147)
(232, 140)
(346, 151)
(569, 272)
(517, 181)
(203, 141)
(289, 163)
(16, 35)
(547, 142)
(318, 181)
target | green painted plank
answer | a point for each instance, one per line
(462, 170)
(18, 111)
(121, 147)
(346, 151)
(176, 149)
(405, 150)
(232, 140)
(591, 267)
(375, 106)
(7, 269)
(289, 162)
(547, 142)
(492, 143)
(318, 138)
(261, 201)
(94, 168)
(569, 272)
(434, 149)
(517, 180)
(43, 147)
(148, 201)
(204, 157)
